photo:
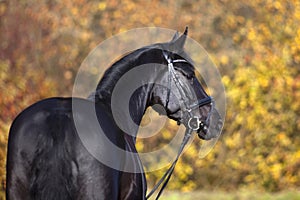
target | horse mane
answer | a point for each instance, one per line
(129, 61)
(116, 70)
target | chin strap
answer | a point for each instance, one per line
(166, 177)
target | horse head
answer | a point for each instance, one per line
(181, 95)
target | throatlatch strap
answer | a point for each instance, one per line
(166, 177)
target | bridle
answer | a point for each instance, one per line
(193, 123)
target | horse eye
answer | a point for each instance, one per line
(191, 79)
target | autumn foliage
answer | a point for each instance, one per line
(255, 44)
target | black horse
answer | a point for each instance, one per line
(55, 148)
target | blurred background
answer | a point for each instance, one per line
(255, 44)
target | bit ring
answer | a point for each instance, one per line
(194, 123)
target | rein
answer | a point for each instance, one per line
(193, 122)
(166, 177)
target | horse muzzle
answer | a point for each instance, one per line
(206, 131)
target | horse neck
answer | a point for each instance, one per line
(127, 109)
(125, 89)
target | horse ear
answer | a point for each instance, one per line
(175, 37)
(180, 41)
